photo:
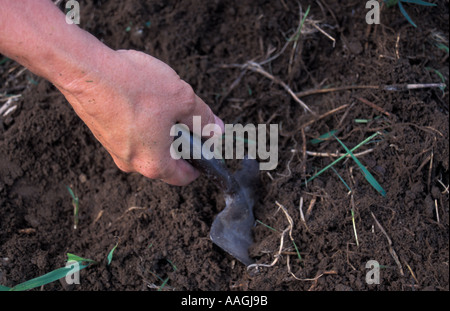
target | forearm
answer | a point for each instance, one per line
(35, 34)
(129, 100)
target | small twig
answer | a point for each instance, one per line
(348, 259)
(20, 72)
(99, 215)
(308, 279)
(290, 221)
(412, 273)
(353, 219)
(325, 33)
(132, 208)
(424, 128)
(391, 249)
(437, 211)
(296, 36)
(430, 169)
(337, 154)
(288, 165)
(328, 113)
(396, 47)
(365, 101)
(445, 187)
(280, 250)
(8, 100)
(345, 115)
(393, 87)
(422, 164)
(302, 131)
(404, 87)
(257, 68)
(9, 110)
(233, 85)
(335, 89)
(311, 205)
(276, 256)
(302, 216)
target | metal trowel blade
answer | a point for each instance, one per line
(232, 228)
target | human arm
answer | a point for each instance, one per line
(128, 99)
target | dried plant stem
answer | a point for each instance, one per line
(259, 69)
(337, 154)
(280, 249)
(437, 211)
(300, 208)
(369, 103)
(391, 249)
(256, 67)
(276, 256)
(311, 205)
(393, 87)
(353, 219)
(328, 113)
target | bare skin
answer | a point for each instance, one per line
(128, 99)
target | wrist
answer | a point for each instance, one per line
(77, 66)
(44, 43)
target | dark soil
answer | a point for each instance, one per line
(45, 147)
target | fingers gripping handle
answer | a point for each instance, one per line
(192, 150)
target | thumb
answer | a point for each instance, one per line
(180, 172)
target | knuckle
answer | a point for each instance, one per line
(186, 98)
(123, 167)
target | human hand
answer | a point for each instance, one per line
(130, 102)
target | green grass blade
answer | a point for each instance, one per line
(405, 14)
(71, 193)
(172, 264)
(342, 179)
(297, 34)
(4, 60)
(322, 137)
(341, 158)
(267, 226)
(366, 173)
(390, 3)
(419, 2)
(76, 207)
(163, 284)
(298, 252)
(110, 255)
(443, 47)
(48, 278)
(157, 276)
(440, 76)
(53, 275)
(362, 121)
(72, 257)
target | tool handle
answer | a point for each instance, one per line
(204, 160)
